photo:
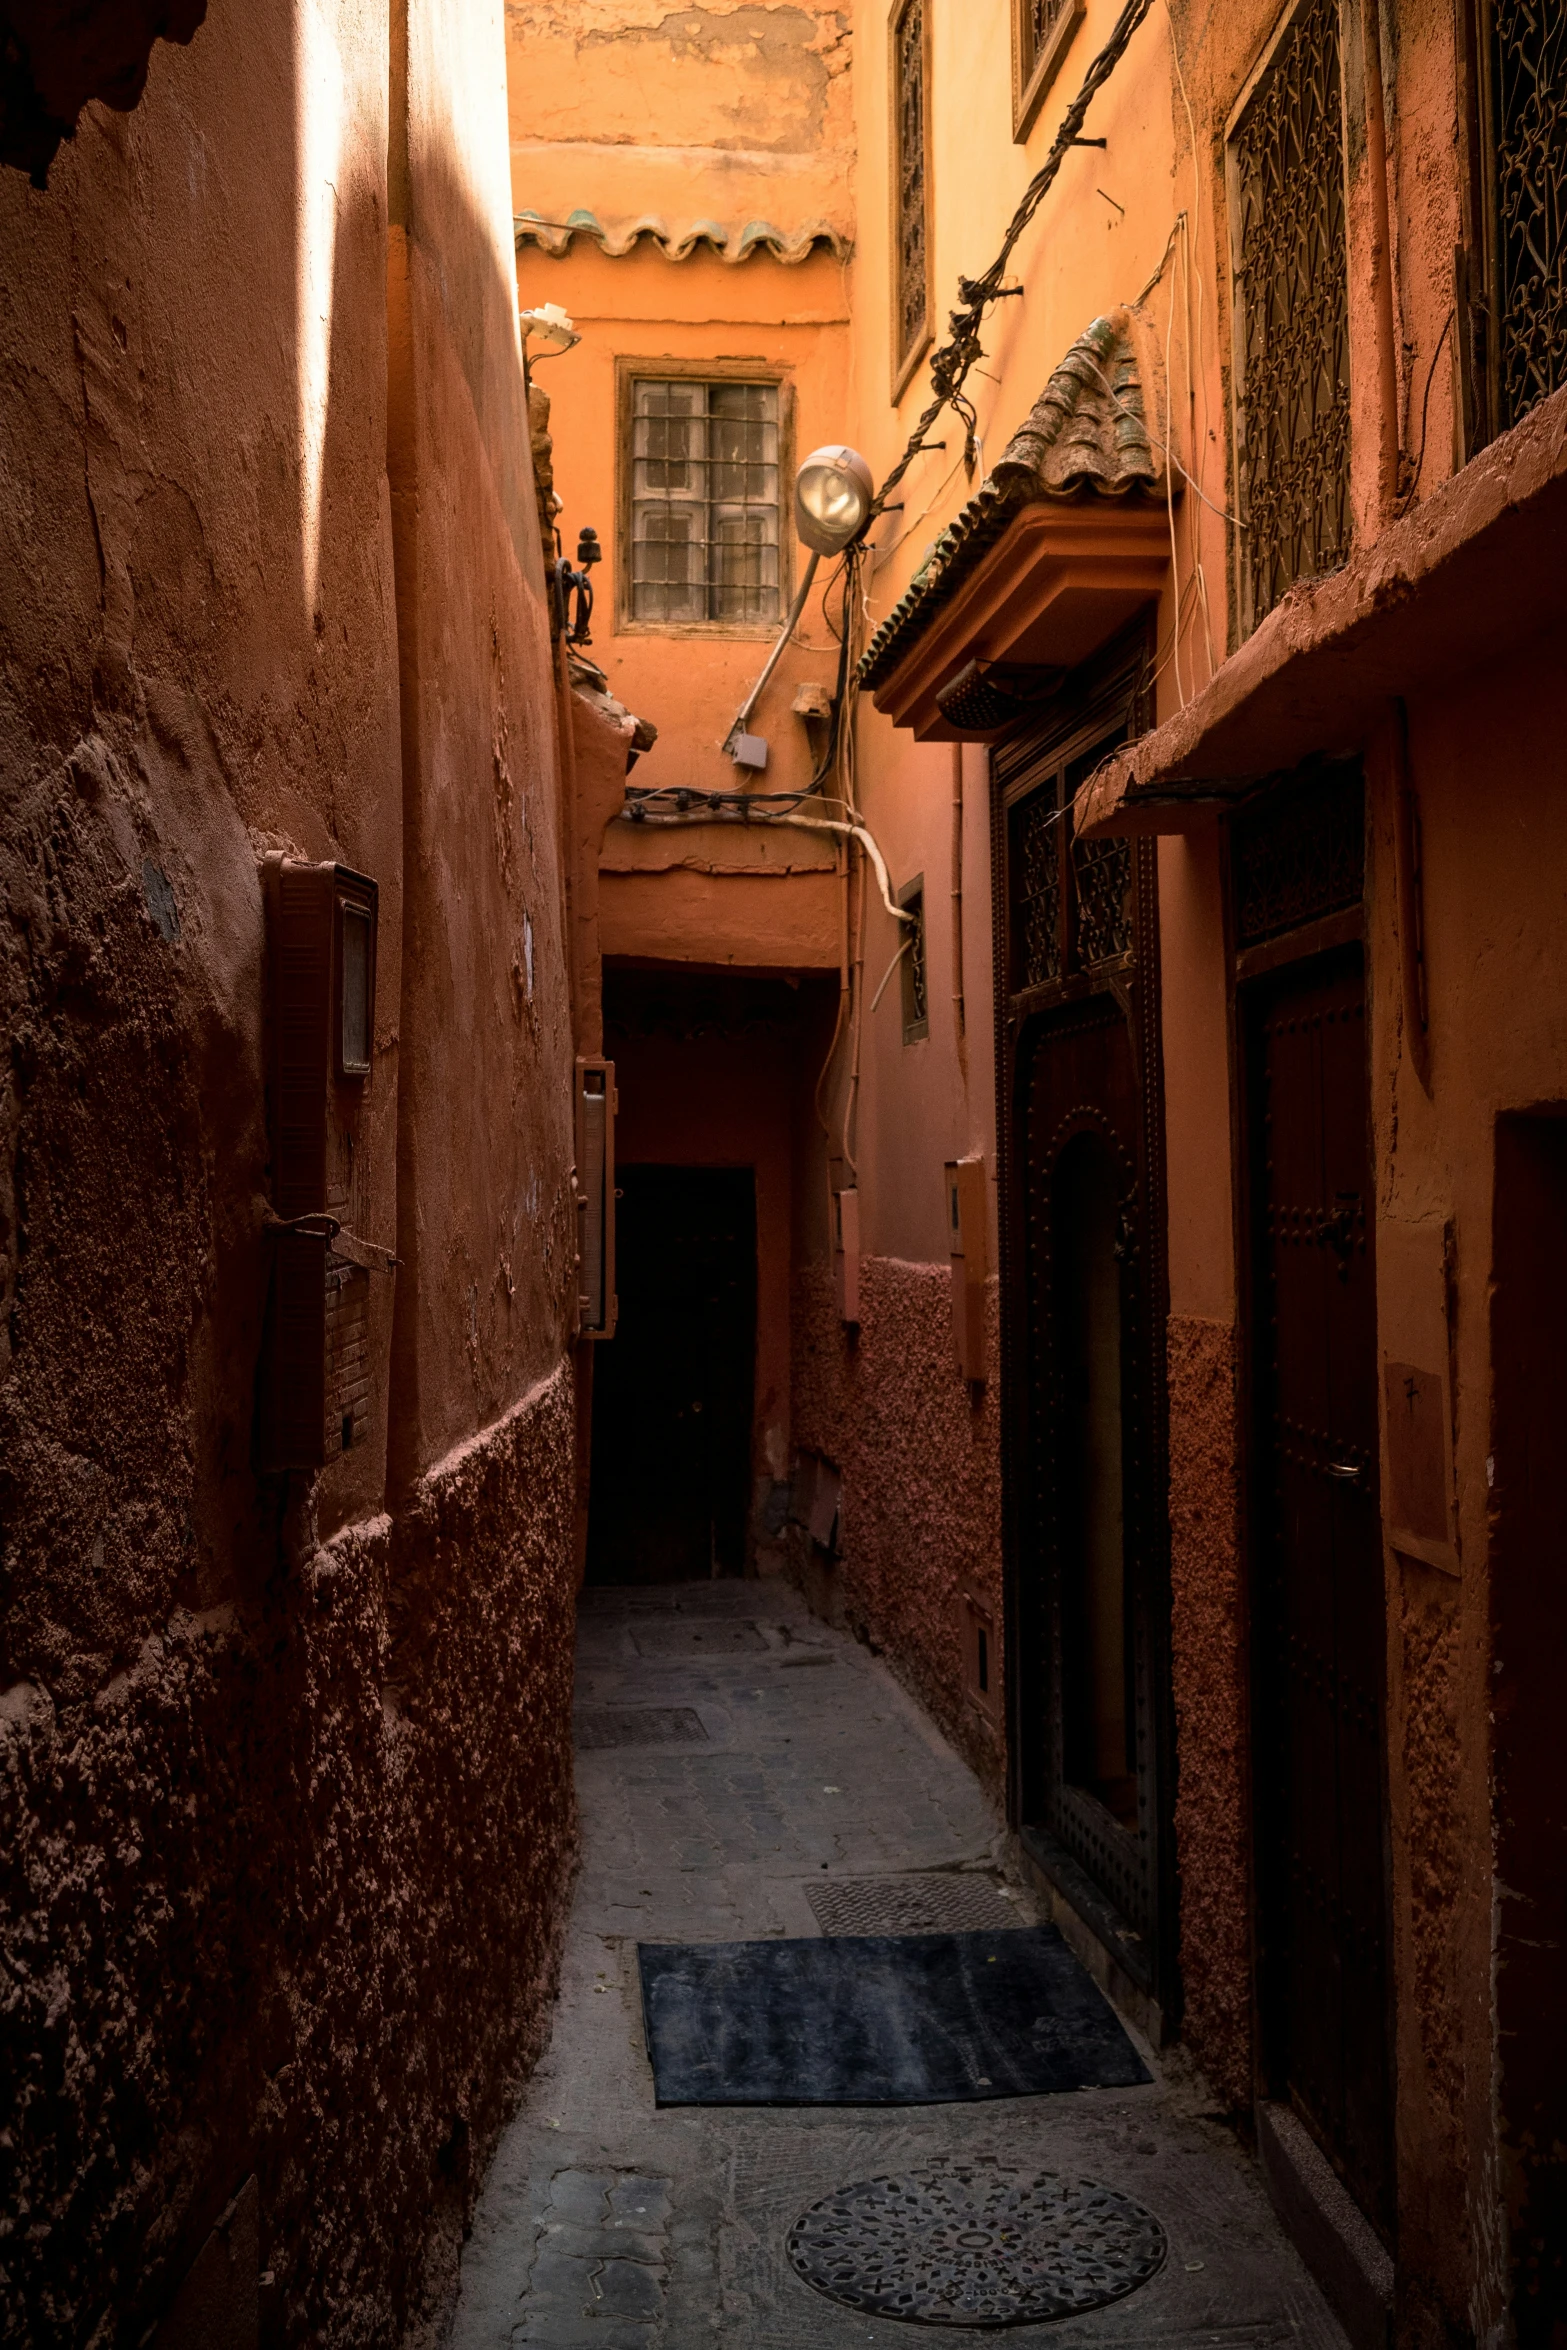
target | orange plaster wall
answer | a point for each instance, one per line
(741, 920)
(647, 309)
(925, 1102)
(244, 1717)
(727, 113)
(1484, 762)
(486, 1224)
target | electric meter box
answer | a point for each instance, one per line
(321, 954)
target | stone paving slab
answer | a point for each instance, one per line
(608, 2225)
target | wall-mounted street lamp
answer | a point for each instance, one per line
(550, 327)
(832, 503)
(832, 499)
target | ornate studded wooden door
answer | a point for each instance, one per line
(1084, 1293)
(1318, 1605)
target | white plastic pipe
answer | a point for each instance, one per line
(775, 656)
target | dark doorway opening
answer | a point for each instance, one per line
(1529, 1642)
(673, 1390)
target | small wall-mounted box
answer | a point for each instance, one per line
(597, 1102)
(321, 951)
(846, 1253)
(967, 1240)
(981, 1663)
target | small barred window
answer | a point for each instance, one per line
(704, 502)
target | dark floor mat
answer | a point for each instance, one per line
(906, 2019)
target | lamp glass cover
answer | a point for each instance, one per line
(832, 497)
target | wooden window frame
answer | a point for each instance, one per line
(905, 363)
(1032, 75)
(657, 369)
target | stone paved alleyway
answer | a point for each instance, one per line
(606, 2223)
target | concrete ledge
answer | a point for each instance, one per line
(1089, 1927)
(1327, 2227)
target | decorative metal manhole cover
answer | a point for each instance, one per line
(976, 2244)
(652, 1725)
(931, 1904)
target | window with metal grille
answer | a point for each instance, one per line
(1292, 326)
(1524, 77)
(1041, 35)
(916, 1003)
(704, 501)
(911, 194)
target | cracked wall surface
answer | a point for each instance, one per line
(729, 113)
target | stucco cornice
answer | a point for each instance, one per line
(618, 238)
(1086, 436)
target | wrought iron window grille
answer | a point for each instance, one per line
(911, 188)
(916, 1000)
(1519, 314)
(1042, 33)
(1298, 851)
(1292, 315)
(704, 540)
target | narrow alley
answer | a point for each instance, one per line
(744, 1771)
(783, 1174)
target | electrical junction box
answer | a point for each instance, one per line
(597, 1102)
(846, 1253)
(981, 1662)
(321, 953)
(967, 1240)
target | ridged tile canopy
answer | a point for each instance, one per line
(730, 244)
(1085, 436)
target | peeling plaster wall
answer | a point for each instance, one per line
(920, 1518)
(735, 112)
(285, 1804)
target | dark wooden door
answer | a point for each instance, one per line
(1322, 1615)
(1083, 1291)
(673, 1389)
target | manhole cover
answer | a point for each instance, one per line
(935, 1904)
(976, 2244)
(653, 1725)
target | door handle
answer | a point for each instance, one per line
(1349, 1471)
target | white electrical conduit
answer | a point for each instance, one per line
(853, 832)
(775, 656)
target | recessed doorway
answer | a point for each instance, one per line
(673, 1389)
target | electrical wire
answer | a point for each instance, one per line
(952, 362)
(1407, 500)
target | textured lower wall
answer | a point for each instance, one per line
(284, 1897)
(920, 1519)
(1209, 1675)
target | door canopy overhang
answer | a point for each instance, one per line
(1055, 552)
